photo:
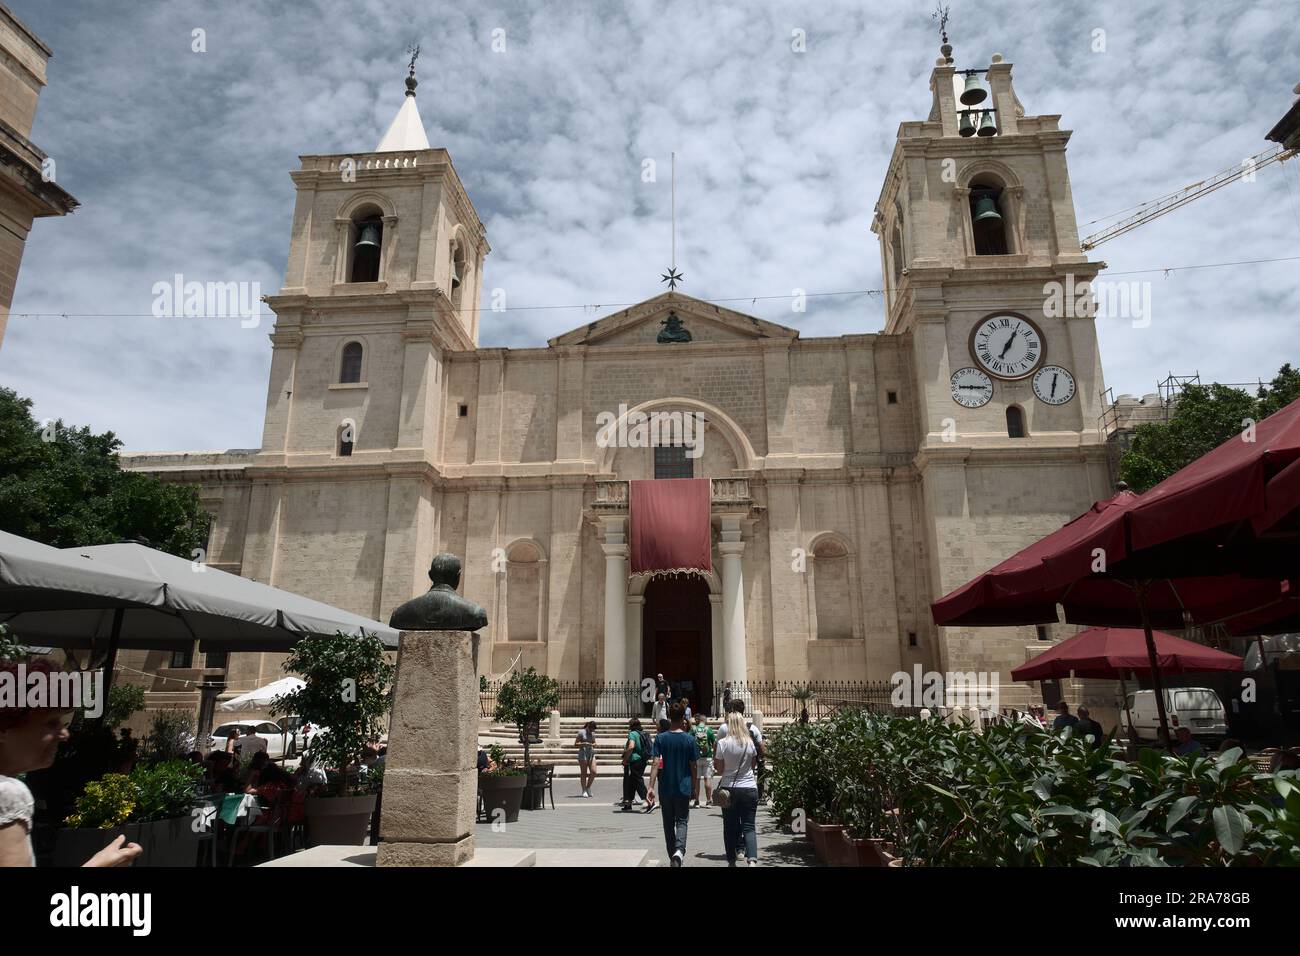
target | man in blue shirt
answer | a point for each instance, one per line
(679, 754)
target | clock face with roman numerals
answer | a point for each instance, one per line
(1007, 345)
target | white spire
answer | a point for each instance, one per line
(406, 130)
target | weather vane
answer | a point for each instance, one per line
(672, 276)
(414, 50)
(941, 14)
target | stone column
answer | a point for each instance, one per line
(615, 548)
(734, 664)
(431, 774)
(614, 545)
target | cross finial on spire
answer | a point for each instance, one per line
(411, 81)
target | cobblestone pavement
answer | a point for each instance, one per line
(578, 823)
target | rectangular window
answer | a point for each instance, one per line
(891, 398)
(183, 658)
(217, 659)
(671, 462)
(911, 638)
(462, 411)
(1042, 632)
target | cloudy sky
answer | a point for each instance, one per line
(181, 160)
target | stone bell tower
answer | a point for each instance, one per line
(383, 277)
(978, 243)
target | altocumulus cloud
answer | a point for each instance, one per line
(181, 162)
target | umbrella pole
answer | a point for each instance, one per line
(1156, 684)
(110, 660)
(1128, 733)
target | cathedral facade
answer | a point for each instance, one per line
(853, 479)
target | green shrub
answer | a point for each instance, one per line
(157, 792)
(1016, 795)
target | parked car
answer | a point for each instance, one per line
(1197, 708)
(276, 743)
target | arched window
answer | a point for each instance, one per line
(458, 276)
(523, 592)
(896, 253)
(988, 217)
(831, 580)
(367, 236)
(1015, 422)
(350, 367)
(347, 432)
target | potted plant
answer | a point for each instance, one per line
(152, 806)
(502, 786)
(524, 700)
(346, 680)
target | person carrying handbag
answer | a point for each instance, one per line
(737, 791)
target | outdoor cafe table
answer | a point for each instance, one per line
(229, 808)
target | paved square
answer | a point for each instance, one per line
(578, 823)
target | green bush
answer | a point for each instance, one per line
(170, 737)
(1015, 795)
(148, 793)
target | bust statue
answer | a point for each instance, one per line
(440, 608)
(673, 331)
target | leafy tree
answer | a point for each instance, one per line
(346, 692)
(63, 486)
(1204, 417)
(525, 699)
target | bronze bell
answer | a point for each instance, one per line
(988, 125)
(370, 236)
(986, 207)
(455, 274)
(967, 127)
(974, 92)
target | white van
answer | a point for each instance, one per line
(1198, 708)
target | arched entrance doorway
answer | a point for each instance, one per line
(677, 636)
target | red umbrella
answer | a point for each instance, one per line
(1236, 507)
(1108, 652)
(1212, 544)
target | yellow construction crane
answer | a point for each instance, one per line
(1155, 208)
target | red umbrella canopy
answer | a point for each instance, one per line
(1236, 508)
(1021, 591)
(1110, 652)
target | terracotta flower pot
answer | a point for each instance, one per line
(823, 835)
(868, 852)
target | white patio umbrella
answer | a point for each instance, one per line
(261, 698)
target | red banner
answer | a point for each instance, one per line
(670, 525)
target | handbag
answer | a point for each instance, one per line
(722, 795)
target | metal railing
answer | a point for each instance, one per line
(622, 700)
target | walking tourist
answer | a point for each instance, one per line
(705, 740)
(585, 742)
(735, 760)
(660, 712)
(756, 735)
(29, 740)
(636, 752)
(686, 709)
(679, 753)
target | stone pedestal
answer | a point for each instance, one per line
(553, 730)
(431, 775)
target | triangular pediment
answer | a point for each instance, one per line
(642, 323)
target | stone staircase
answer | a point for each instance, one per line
(611, 734)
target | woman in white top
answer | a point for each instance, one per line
(733, 759)
(29, 740)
